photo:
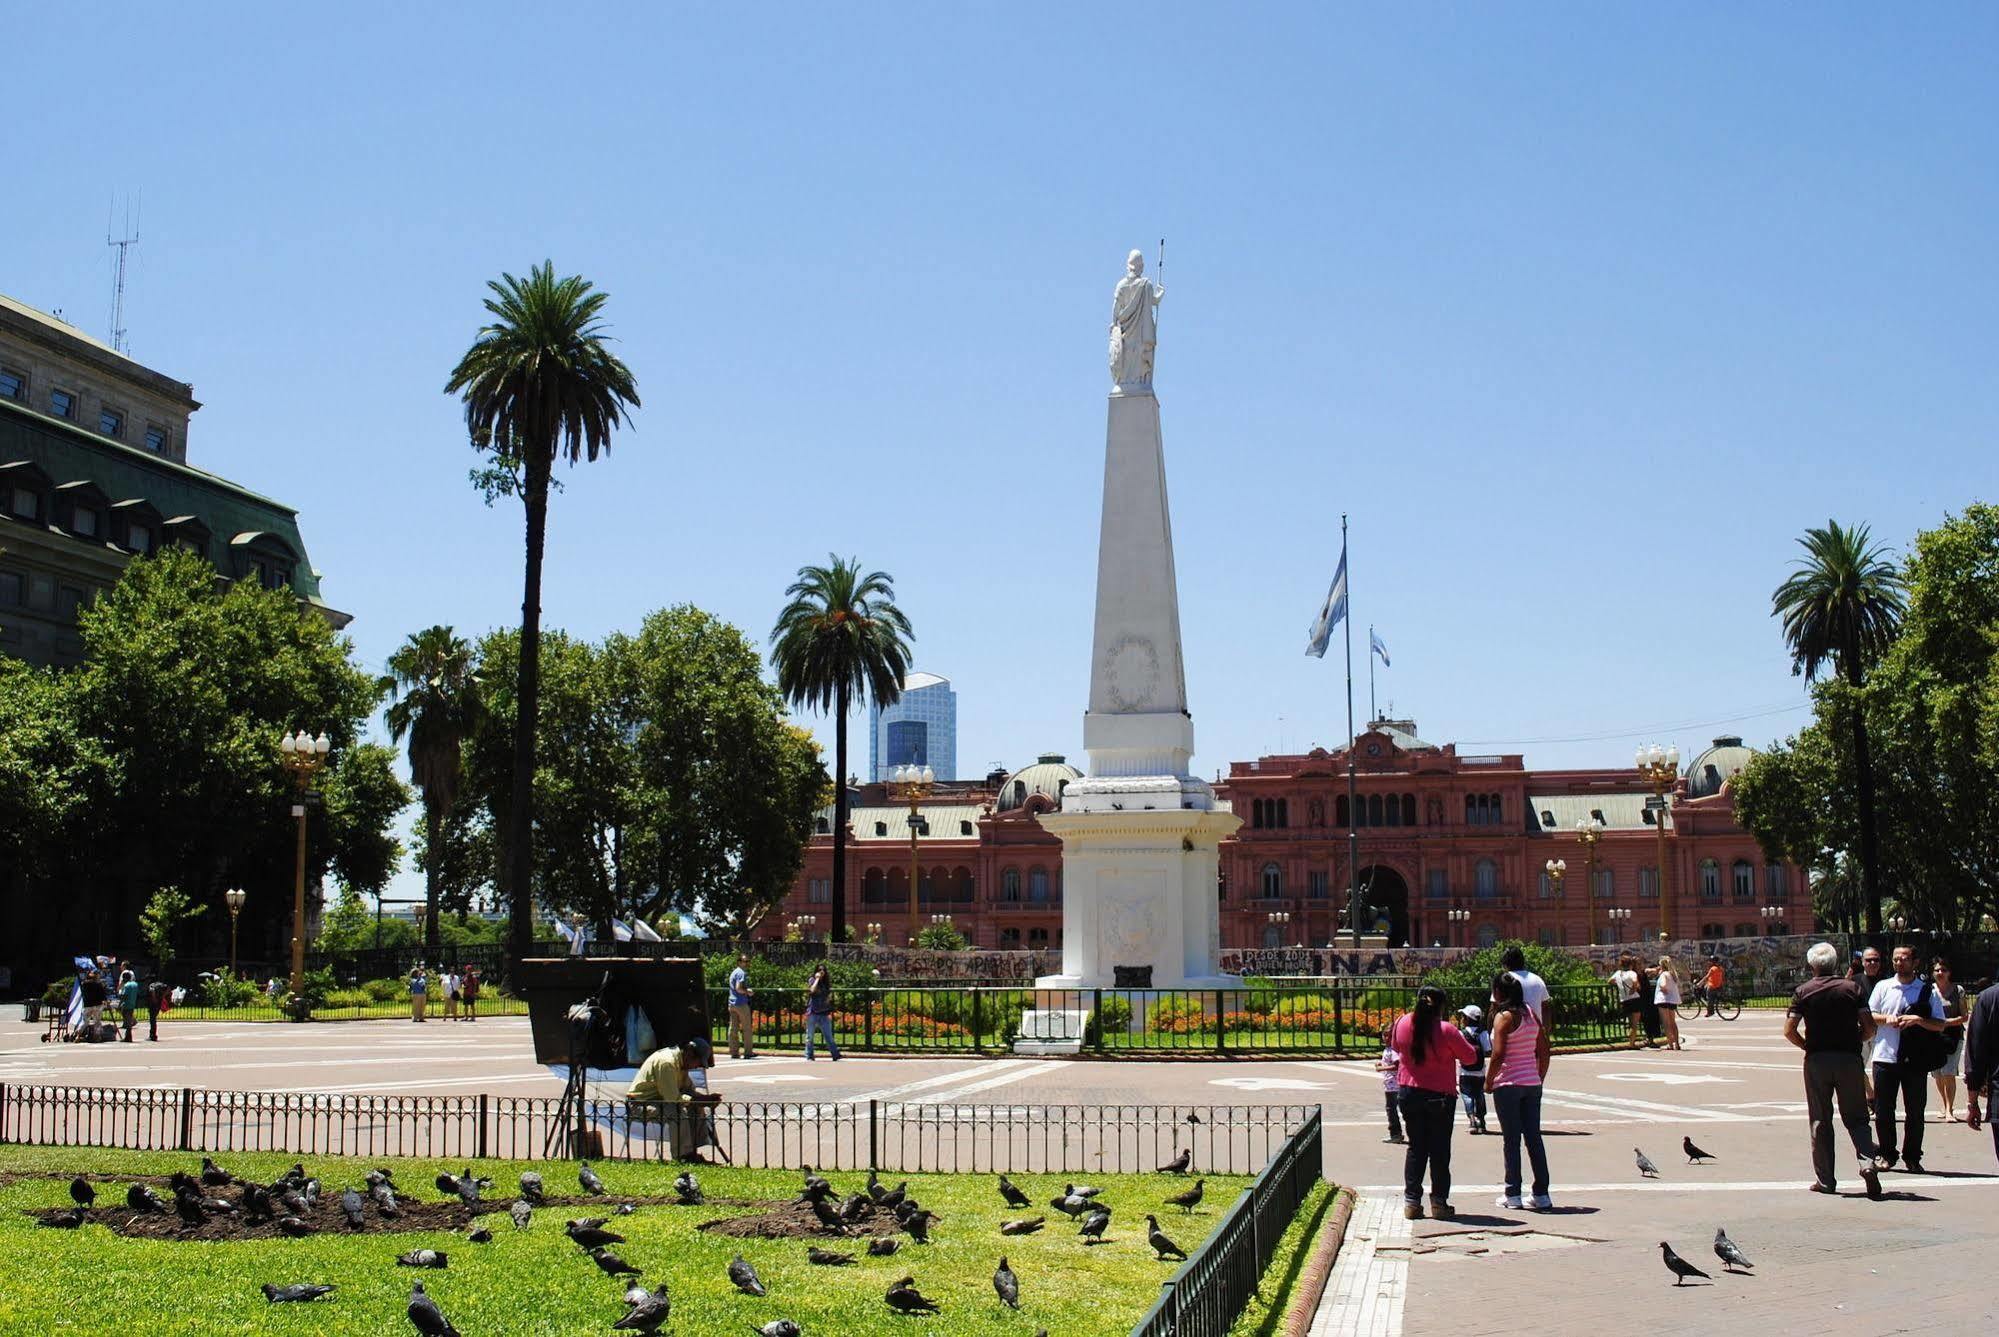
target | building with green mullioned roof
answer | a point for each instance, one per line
(93, 471)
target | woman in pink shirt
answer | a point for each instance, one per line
(1431, 1049)
(1513, 1075)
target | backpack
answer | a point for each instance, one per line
(1925, 1049)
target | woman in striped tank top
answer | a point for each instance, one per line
(1513, 1076)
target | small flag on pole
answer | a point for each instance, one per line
(1333, 613)
(1380, 646)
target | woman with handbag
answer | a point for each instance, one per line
(1954, 1012)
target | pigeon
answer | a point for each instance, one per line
(257, 1201)
(217, 1206)
(875, 1190)
(1193, 1118)
(1070, 1205)
(425, 1316)
(613, 1265)
(744, 1276)
(829, 1216)
(1724, 1249)
(296, 1175)
(423, 1258)
(904, 1296)
(1694, 1154)
(648, 1312)
(1012, 1194)
(894, 1196)
(1160, 1244)
(65, 1220)
(293, 1226)
(1024, 1226)
(279, 1295)
(469, 1188)
(521, 1212)
(1095, 1225)
(379, 1177)
(816, 1189)
(1678, 1266)
(447, 1184)
(688, 1188)
(591, 1237)
(1180, 1164)
(385, 1200)
(625, 1209)
(1190, 1199)
(531, 1187)
(905, 1209)
(187, 1206)
(636, 1293)
(142, 1199)
(214, 1175)
(350, 1207)
(827, 1257)
(587, 1223)
(918, 1225)
(81, 1193)
(589, 1180)
(882, 1248)
(1081, 1190)
(856, 1208)
(1645, 1166)
(481, 1236)
(181, 1181)
(781, 1327)
(1007, 1284)
(310, 1192)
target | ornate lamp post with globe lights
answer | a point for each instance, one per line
(304, 756)
(1458, 918)
(1617, 919)
(234, 898)
(1660, 767)
(912, 785)
(1280, 919)
(1589, 830)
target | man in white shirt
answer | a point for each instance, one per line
(1894, 1005)
(1533, 989)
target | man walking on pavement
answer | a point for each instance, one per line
(1907, 1001)
(1836, 1022)
(1533, 989)
(742, 1022)
(1981, 1061)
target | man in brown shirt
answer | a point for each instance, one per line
(1835, 1020)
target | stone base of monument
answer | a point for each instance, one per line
(1051, 1031)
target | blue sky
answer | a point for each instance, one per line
(1582, 312)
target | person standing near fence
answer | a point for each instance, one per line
(447, 984)
(1513, 1075)
(1430, 1051)
(128, 1002)
(742, 1021)
(1628, 982)
(1471, 1076)
(157, 995)
(1666, 997)
(469, 986)
(1389, 1065)
(1532, 987)
(819, 1011)
(419, 991)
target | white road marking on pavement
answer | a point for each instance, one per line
(1268, 1084)
(1364, 1295)
(1668, 1078)
(964, 1074)
(1031, 1069)
(1927, 1182)
(773, 1078)
(428, 1084)
(1636, 1106)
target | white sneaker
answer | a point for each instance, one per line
(1543, 1203)
(1510, 1204)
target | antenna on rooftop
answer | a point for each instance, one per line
(123, 246)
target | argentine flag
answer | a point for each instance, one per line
(1331, 615)
(1380, 647)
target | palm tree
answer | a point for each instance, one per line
(537, 382)
(841, 638)
(436, 703)
(1841, 610)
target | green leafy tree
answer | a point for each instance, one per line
(43, 770)
(839, 641)
(942, 938)
(539, 382)
(1797, 798)
(164, 914)
(1840, 612)
(435, 704)
(347, 927)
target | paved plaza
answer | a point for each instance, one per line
(1823, 1264)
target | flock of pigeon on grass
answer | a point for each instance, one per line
(288, 1202)
(1732, 1258)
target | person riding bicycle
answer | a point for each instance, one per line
(1711, 984)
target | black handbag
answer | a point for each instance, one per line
(1925, 1049)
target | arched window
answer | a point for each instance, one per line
(1743, 878)
(1374, 810)
(1009, 939)
(1710, 880)
(1037, 937)
(1648, 883)
(1747, 931)
(1010, 885)
(1393, 810)
(1776, 886)
(1273, 881)
(1485, 877)
(1606, 885)
(1714, 930)
(1340, 815)
(1255, 814)
(1471, 810)
(1494, 815)
(1019, 792)
(1283, 812)
(1408, 810)
(1488, 936)
(1037, 884)
(1547, 886)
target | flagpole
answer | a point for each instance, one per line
(1353, 813)
(1373, 711)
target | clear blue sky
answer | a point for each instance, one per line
(1582, 312)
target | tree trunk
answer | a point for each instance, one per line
(840, 817)
(433, 868)
(520, 810)
(1870, 853)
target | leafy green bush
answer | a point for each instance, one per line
(57, 994)
(1177, 1014)
(225, 989)
(1472, 975)
(1114, 1014)
(385, 991)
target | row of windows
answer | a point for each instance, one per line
(1742, 880)
(67, 404)
(1036, 937)
(40, 593)
(1374, 810)
(1774, 928)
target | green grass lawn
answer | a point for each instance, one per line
(536, 1281)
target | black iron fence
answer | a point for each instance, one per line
(1203, 1298)
(909, 1136)
(1333, 1016)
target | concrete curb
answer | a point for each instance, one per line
(1311, 1287)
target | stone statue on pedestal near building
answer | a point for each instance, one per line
(1134, 327)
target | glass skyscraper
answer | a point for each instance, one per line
(921, 729)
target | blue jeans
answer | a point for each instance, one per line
(820, 1023)
(1471, 1087)
(1520, 1118)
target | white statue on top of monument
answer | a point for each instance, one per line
(1134, 327)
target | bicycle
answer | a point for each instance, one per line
(1726, 1007)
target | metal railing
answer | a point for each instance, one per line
(1334, 1016)
(1203, 1298)
(906, 1136)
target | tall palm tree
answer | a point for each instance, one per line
(538, 382)
(839, 640)
(1841, 610)
(436, 703)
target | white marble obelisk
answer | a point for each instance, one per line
(1139, 834)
